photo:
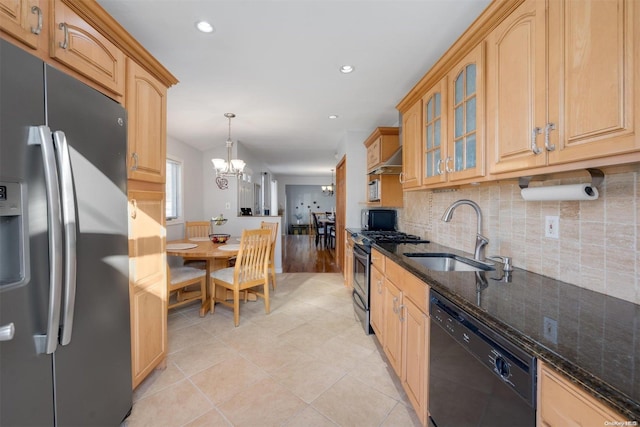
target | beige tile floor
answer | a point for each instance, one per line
(308, 363)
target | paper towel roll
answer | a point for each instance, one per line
(560, 192)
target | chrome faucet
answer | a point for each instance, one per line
(481, 241)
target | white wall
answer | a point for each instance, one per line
(192, 179)
(353, 147)
(216, 200)
(317, 181)
(304, 199)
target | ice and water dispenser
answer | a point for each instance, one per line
(13, 236)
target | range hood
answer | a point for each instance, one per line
(393, 165)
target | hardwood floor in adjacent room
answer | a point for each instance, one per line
(300, 255)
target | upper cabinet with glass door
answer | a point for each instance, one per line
(435, 134)
(443, 133)
(465, 150)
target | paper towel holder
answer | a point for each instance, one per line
(597, 176)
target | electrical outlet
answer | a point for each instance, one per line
(552, 227)
(550, 330)
(227, 205)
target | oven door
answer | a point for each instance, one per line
(360, 294)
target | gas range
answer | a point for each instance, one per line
(368, 237)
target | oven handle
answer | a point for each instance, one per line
(362, 255)
(358, 301)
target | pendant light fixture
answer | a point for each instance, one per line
(230, 167)
(327, 190)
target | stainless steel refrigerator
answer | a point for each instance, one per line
(65, 347)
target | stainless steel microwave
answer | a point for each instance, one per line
(374, 190)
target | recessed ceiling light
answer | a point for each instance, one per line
(333, 116)
(204, 26)
(346, 69)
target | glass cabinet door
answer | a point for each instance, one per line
(434, 144)
(464, 138)
(466, 150)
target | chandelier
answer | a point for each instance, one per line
(230, 167)
(327, 190)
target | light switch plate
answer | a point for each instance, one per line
(552, 227)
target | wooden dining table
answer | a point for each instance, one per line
(215, 258)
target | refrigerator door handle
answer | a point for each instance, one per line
(7, 332)
(69, 223)
(41, 135)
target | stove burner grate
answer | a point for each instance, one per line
(392, 237)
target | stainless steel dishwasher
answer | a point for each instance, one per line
(476, 376)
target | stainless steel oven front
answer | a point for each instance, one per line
(360, 293)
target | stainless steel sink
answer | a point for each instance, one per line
(448, 262)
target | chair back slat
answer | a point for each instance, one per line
(197, 229)
(252, 262)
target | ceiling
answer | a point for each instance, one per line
(275, 64)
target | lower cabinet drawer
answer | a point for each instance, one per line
(416, 290)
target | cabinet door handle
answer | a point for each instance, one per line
(37, 11)
(65, 42)
(547, 140)
(134, 209)
(400, 312)
(438, 168)
(400, 177)
(446, 164)
(134, 156)
(534, 146)
(395, 305)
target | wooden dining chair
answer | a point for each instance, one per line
(196, 229)
(250, 272)
(180, 280)
(273, 226)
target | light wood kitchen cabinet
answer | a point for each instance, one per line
(593, 82)
(392, 339)
(146, 104)
(415, 357)
(443, 133)
(389, 190)
(25, 20)
(434, 144)
(376, 294)
(147, 282)
(562, 403)
(381, 144)
(412, 147)
(401, 323)
(79, 46)
(516, 79)
(465, 141)
(587, 65)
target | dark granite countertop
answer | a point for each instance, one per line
(597, 344)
